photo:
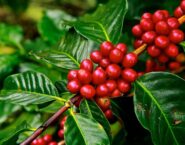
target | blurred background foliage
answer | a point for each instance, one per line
(25, 23)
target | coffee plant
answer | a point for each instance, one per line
(92, 72)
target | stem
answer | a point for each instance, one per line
(181, 19)
(51, 120)
(140, 49)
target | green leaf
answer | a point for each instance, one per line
(87, 131)
(12, 137)
(91, 109)
(6, 111)
(7, 64)
(159, 105)
(36, 45)
(50, 26)
(29, 88)
(72, 49)
(183, 45)
(52, 74)
(105, 23)
(10, 34)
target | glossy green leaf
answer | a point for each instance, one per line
(105, 23)
(72, 49)
(86, 131)
(52, 74)
(29, 88)
(159, 102)
(10, 35)
(7, 64)
(50, 26)
(91, 109)
(12, 137)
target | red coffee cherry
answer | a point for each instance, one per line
(176, 36)
(40, 141)
(178, 12)
(53, 143)
(47, 138)
(111, 84)
(149, 37)
(147, 16)
(96, 56)
(158, 16)
(104, 62)
(162, 41)
(182, 5)
(140, 74)
(172, 50)
(87, 91)
(72, 75)
(130, 60)
(87, 65)
(138, 43)
(109, 114)
(113, 71)
(129, 75)
(62, 122)
(116, 93)
(159, 67)
(116, 56)
(163, 58)
(84, 76)
(74, 86)
(137, 31)
(174, 65)
(162, 28)
(34, 142)
(150, 64)
(166, 13)
(146, 25)
(106, 47)
(102, 90)
(61, 133)
(173, 23)
(122, 47)
(98, 76)
(123, 86)
(153, 51)
(103, 103)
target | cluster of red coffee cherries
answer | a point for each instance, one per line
(48, 139)
(45, 140)
(180, 10)
(107, 74)
(112, 76)
(161, 33)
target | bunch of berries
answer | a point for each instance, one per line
(161, 33)
(112, 76)
(48, 139)
(180, 10)
(45, 140)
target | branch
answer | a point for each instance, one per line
(51, 120)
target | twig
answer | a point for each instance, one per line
(51, 120)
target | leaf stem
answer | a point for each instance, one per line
(51, 120)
